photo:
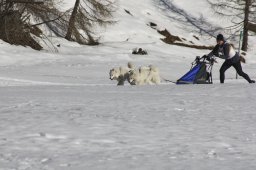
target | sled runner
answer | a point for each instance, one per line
(200, 72)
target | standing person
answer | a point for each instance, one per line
(225, 51)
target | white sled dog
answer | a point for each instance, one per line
(144, 75)
(121, 74)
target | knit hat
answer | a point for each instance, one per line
(220, 37)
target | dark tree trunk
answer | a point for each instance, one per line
(246, 20)
(72, 20)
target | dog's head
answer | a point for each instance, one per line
(114, 74)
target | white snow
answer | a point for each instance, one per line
(60, 111)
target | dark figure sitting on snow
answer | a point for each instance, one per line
(139, 51)
(225, 51)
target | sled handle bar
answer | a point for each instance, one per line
(202, 59)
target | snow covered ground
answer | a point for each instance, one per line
(60, 111)
(109, 127)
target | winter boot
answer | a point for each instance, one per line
(252, 81)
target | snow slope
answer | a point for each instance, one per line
(59, 110)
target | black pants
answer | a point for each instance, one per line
(237, 65)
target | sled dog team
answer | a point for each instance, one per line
(135, 76)
(150, 74)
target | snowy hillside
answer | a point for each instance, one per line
(60, 111)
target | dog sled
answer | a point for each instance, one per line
(200, 72)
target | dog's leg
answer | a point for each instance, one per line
(120, 81)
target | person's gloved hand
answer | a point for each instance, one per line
(207, 57)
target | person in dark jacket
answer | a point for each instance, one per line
(226, 51)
